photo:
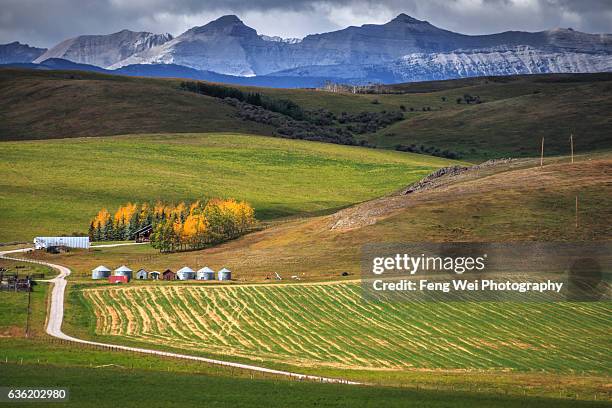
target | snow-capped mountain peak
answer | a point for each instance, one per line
(404, 47)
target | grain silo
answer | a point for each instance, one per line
(101, 272)
(225, 274)
(185, 273)
(205, 274)
(124, 271)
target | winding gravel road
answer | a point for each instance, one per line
(56, 316)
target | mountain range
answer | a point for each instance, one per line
(404, 49)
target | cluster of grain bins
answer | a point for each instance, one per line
(124, 274)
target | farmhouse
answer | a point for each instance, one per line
(124, 271)
(205, 274)
(154, 275)
(185, 273)
(143, 234)
(168, 275)
(100, 272)
(141, 274)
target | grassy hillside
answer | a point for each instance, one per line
(58, 104)
(57, 186)
(513, 202)
(513, 120)
(515, 114)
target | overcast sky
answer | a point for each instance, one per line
(46, 22)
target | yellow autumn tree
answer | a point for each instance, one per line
(125, 213)
(101, 218)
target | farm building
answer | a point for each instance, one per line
(154, 275)
(141, 274)
(143, 234)
(168, 275)
(225, 274)
(101, 272)
(124, 271)
(118, 279)
(205, 274)
(185, 273)
(68, 242)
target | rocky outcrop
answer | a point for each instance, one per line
(432, 180)
(104, 50)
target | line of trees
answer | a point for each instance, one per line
(283, 106)
(177, 227)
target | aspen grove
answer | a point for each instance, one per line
(177, 227)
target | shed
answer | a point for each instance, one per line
(141, 274)
(225, 274)
(154, 275)
(185, 273)
(124, 271)
(205, 274)
(168, 275)
(101, 272)
(118, 279)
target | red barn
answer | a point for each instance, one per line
(117, 279)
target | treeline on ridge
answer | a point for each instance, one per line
(292, 121)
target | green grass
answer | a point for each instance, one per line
(57, 186)
(14, 312)
(111, 387)
(58, 104)
(513, 123)
(328, 326)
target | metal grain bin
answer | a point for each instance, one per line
(185, 273)
(124, 271)
(205, 274)
(225, 274)
(101, 272)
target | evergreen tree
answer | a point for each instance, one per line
(98, 233)
(108, 231)
(91, 232)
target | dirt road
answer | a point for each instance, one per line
(56, 317)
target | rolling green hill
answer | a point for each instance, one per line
(57, 186)
(515, 113)
(514, 202)
(60, 104)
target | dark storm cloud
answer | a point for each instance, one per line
(46, 22)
